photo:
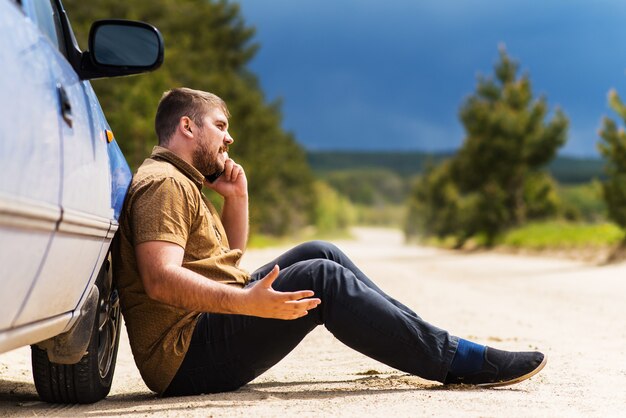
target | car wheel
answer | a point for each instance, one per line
(90, 379)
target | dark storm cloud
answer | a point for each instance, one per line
(391, 75)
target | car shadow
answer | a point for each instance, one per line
(15, 392)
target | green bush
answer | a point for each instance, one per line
(540, 195)
(333, 213)
(371, 186)
(384, 215)
(582, 202)
(562, 235)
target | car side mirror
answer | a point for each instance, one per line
(121, 47)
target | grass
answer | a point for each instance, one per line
(562, 235)
(555, 235)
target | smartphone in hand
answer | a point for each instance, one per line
(211, 178)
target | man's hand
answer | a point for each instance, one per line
(263, 301)
(165, 280)
(232, 182)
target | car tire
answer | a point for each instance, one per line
(90, 379)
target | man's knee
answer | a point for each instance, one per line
(330, 277)
(324, 277)
(320, 249)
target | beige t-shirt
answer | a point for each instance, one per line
(165, 203)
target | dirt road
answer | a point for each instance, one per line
(574, 312)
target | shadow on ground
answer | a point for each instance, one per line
(19, 398)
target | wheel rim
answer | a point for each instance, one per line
(108, 321)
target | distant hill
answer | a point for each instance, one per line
(568, 170)
(403, 163)
(571, 170)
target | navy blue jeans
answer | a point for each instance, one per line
(228, 351)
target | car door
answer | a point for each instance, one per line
(30, 158)
(75, 253)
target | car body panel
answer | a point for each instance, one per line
(85, 159)
(32, 333)
(121, 177)
(119, 171)
(71, 261)
(85, 202)
(30, 184)
(63, 185)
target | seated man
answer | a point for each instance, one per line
(198, 323)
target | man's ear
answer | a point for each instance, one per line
(185, 125)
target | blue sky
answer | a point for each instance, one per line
(391, 75)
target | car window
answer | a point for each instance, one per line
(49, 22)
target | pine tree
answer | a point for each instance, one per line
(613, 149)
(495, 180)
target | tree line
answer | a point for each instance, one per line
(408, 164)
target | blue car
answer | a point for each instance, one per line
(62, 187)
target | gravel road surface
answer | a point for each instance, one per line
(573, 311)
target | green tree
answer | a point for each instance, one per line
(613, 149)
(495, 181)
(369, 186)
(434, 204)
(333, 212)
(208, 47)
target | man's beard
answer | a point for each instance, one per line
(206, 161)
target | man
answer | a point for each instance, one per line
(198, 323)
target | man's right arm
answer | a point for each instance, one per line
(167, 281)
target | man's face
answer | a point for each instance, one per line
(211, 143)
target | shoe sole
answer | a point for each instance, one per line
(517, 379)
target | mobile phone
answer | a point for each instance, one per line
(211, 178)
